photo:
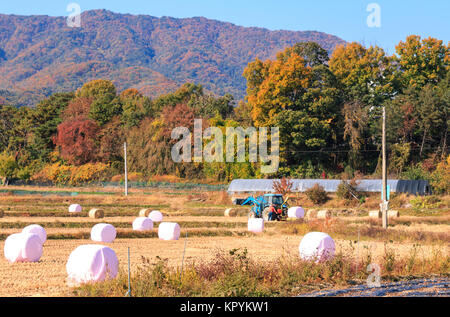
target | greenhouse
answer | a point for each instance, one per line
(414, 187)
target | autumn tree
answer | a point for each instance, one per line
(76, 140)
(422, 61)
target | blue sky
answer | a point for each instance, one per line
(344, 18)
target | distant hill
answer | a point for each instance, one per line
(40, 55)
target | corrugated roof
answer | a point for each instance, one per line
(330, 185)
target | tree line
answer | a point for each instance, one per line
(328, 110)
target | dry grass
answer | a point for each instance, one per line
(201, 216)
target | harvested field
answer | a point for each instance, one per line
(208, 231)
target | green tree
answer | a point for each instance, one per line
(46, 119)
(8, 167)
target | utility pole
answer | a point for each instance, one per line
(384, 204)
(126, 176)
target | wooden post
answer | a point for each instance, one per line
(126, 175)
(384, 203)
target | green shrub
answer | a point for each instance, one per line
(425, 202)
(317, 194)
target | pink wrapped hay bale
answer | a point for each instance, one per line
(75, 208)
(38, 230)
(142, 224)
(103, 232)
(296, 212)
(317, 246)
(169, 231)
(91, 263)
(156, 216)
(255, 225)
(23, 247)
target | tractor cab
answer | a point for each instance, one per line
(261, 206)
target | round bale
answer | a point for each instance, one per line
(393, 214)
(316, 246)
(103, 232)
(311, 213)
(142, 224)
(255, 225)
(230, 212)
(156, 216)
(323, 214)
(36, 229)
(96, 213)
(169, 231)
(91, 263)
(23, 247)
(75, 208)
(144, 212)
(375, 214)
(296, 212)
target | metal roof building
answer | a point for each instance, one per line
(415, 187)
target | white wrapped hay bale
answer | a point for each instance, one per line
(103, 232)
(230, 212)
(96, 213)
(156, 216)
(323, 214)
(75, 208)
(317, 246)
(144, 212)
(169, 231)
(142, 224)
(23, 247)
(375, 214)
(91, 263)
(256, 225)
(296, 212)
(38, 230)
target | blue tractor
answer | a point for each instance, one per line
(261, 206)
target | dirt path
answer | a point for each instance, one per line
(415, 288)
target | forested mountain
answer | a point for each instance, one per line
(41, 55)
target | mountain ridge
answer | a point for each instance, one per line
(40, 55)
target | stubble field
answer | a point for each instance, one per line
(205, 232)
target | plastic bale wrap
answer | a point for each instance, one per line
(142, 224)
(103, 232)
(169, 231)
(23, 247)
(96, 213)
(156, 216)
(38, 230)
(91, 263)
(75, 208)
(255, 225)
(375, 214)
(296, 212)
(230, 212)
(144, 212)
(316, 246)
(323, 214)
